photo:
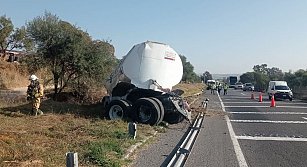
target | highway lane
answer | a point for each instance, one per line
(213, 146)
(268, 136)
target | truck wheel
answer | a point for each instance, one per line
(105, 101)
(173, 118)
(161, 108)
(146, 111)
(117, 109)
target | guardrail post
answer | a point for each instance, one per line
(71, 159)
(132, 129)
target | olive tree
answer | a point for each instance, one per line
(11, 38)
(68, 52)
(188, 71)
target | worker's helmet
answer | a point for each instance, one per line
(33, 77)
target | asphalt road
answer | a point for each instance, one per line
(213, 146)
(268, 136)
(247, 133)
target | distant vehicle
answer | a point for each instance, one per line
(210, 83)
(232, 80)
(238, 85)
(248, 87)
(280, 90)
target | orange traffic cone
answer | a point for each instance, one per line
(273, 102)
(260, 97)
(252, 96)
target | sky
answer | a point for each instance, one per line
(219, 36)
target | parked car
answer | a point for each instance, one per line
(239, 85)
(248, 87)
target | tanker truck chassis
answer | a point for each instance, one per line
(140, 89)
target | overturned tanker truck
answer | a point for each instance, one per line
(140, 88)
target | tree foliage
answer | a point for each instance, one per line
(11, 38)
(273, 73)
(188, 71)
(296, 79)
(206, 76)
(70, 53)
(259, 79)
(261, 76)
(248, 77)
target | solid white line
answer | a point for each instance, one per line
(237, 97)
(295, 107)
(288, 113)
(269, 121)
(304, 118)
(253, 102)
(247, 102)
(236, 145)
(247, 106)
(271, 138)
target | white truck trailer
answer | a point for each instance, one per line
(140, 88)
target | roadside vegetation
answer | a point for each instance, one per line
(73, 68)
(190, 89)
(43, 141)
(262, 74)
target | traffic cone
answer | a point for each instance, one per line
(252, 96)
(273, 102)
(260, 97)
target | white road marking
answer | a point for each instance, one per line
(271, 138)
(256, 101)
(304, 118)
(246, 102)
(236, 145)
(243, 94)
(295, 107)
(287, 113)
(237, 97)
(269, 121)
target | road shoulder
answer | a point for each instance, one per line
(213, 146)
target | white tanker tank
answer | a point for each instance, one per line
(140, 88)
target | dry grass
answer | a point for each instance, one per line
(12, 76)
(44, 140)
(190, 89)
(15, 75)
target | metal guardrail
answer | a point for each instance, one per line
(182, 153)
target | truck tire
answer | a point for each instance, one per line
(173, 118)
(117, 109)
(105, 101)
(161, 109)
(146, 111)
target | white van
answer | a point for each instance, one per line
(280, 90)
(210, 83)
